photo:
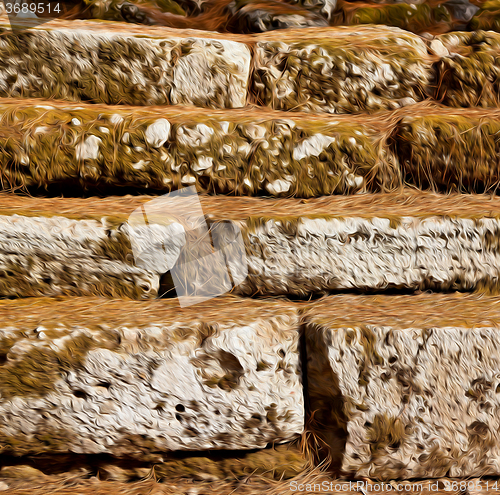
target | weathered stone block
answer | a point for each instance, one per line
(407, 387)
(56, 255)
(450, 149)
(300, 255)
(407, 241)
(109, 63)
(245, 153)
(129, 379)
(340, 70)
(469, 75)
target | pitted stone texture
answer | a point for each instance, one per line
(242, 152)
(291, 246)
(303, 255)
(107, 66)
(54, 256)
(401, 399)
(133, 378)
(341, 70)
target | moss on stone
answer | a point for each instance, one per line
(385, 433)
(470, 75)
(43, 148)
(450, 152)
(125, 68)
(34, 372)
(416, 18)
(341, 70)
(487, 17)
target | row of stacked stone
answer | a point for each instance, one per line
(400, 386)
(251, 16)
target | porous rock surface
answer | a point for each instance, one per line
(243, 152)
(55, 255)
(407, 387)
(341, 69)
(247, 152)
(408, 241)
(305, 255)
(128, 379)
(102, 64)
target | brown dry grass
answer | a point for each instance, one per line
(432, 309)
(175, 31)
(408, 202)
(382, 121)
(52, 486)
(187, 487)
(116, 312)
(465, 310)
(190, 27)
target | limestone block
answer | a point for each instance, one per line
(251, 152)
(299, 256)
(469, 75)
(341, 69)
(405, 241)
(98, 63)
(134, 378)
(56, 255)
(407, 387)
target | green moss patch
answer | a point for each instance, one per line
(488, 17)
(416, 18)
(91, 63)
(450, 152)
